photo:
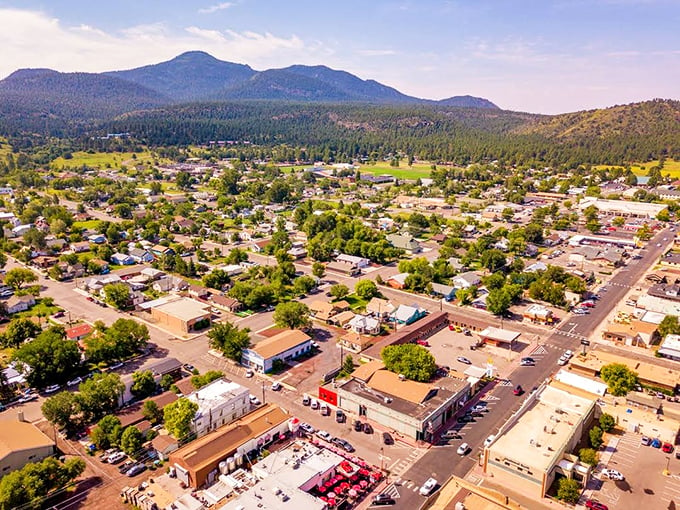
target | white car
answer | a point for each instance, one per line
(276, 386)
(463, 449)
(324, 435)
(569, 354)
(52, 388)
(307, 428)
(427, 488)
(489, 440)
(612, 474)
(563, 360)
(254, 400)
(74, 382)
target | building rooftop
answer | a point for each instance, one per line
(184, 309)
(16, 435)
(499, 335)
(540, 434)
(280, 343)
(215, 394)
(213, 447)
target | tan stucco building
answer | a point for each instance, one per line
(20, 443)
(180, 316)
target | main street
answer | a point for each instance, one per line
(439, 461)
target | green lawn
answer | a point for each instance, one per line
(87, 225)
(356, 303)
(670, 167)
(39, 310)
(102, 159)
(403, 171)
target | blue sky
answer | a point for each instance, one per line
(548, 56)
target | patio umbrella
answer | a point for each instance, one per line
(331, 502)
(321, 489)
(356, 488)
(352, 493)
(344, 486)
(331, 495)
(363, 484)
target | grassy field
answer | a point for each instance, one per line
(102, 160)
(87, 225)
(5, 148)
(670, 167)
(417, 171)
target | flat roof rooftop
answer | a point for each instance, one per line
(184, 309)
(538, 438)
(214, 394)
(500, 335)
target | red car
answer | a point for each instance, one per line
(667, 448)
(424, 343)
(596, 505)
(518, 390)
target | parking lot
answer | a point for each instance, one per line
(645, 485)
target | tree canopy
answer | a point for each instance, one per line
(619, 378)
(178, 417)
(292, 315)
(52, 359)
(412, 361)
(229, 339)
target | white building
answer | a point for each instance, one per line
(359, 262)
(285, 346)
(622, 208)
(219, 403)
(670, 347)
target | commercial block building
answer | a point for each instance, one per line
(285, 346)
(20, 443)
(219, 403)
(182, 315)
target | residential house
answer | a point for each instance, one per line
(323, 310)
(141, 256)
(44, 262)
(259, 246)
(447, 292)
(364, 325)
(170, 283)
(78, 332)
(378, 307)
(466, 280)
(343, 268)
(22, 443)
(199, 292)
(158, 250)
(101, 265)
(405, 314)
(56, 244)
(405, 242)
(80, 247)
(438, 238)
(16, 304)
(397, 281)
(97, 238)
(359, 262)
(121, 259)
(535, 267)
(298, 250)
(226, 303)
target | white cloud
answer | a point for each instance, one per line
(91, 49)
(376, 53)
(217, 7)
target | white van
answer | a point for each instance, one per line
(314, 404)
(325, 410)
(306, 400)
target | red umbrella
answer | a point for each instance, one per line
(344, 485)
(331, 502)
(321, 489)
(356, 487)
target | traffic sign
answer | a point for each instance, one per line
(585, 342)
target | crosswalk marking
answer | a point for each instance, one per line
(490, 398)
(539, 350)
(392, 491)
(505, 382)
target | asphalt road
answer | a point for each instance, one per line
(441, 462)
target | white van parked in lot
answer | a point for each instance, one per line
(314, 404)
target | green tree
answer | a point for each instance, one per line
(143, 384)
(493, 260)
(119, 341)
(669, 326)
(366, 289)
(63, 410)
(318, 269)
(588, 455)
(178, 417)
(619, 378)
(28, 486)
(100, 396)
(166, 382)
(18, 331)
(292, 315)
(304, 284)
(229, 339)
(107, 432)
(19, 276)
(198, 381)
(339, 291)
(498, 301)
(117, 295)
(568, 490)
(51, 358)
(348, 364)
(607, 422)
(152, 412)
(595, 435)
(410, 360)
(131, 441)
(236, 256)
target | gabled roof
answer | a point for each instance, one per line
(280, 343)
(78, 331)
(17, 436)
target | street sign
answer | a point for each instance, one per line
(585, 342)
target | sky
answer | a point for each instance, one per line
(539, 56)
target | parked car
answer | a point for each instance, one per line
(518, 390)
(645, 441)
(125, 466)
(340, 416)
(249, 373)
(116, 366)
(314, 404)
(489, 440)
(27, 398)
(427, 488)
(324, 435)
(324, 409)
(116, 458)
(135, 470)
(387, 438)
(52, 388)
(465, 418)
(343, 444)
(591, 504)
(656, 443)
(276, 386)
(383, 499)
(480, 408)
(358, 426)
(424, 343)
(58, 314)
(74, 382)
(563, 360)
(667, 448)
(463, 449)
(463, 359)
(451, 434)
(188, 367)
(612, 474)
(306, 400)
(306, 427)
(254, 400)
(368, 429)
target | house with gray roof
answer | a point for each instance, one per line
(405, 242)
